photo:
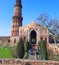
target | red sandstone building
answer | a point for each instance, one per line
(32, 32)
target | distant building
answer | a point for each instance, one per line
(32, 32)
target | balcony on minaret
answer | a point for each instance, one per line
(18, 8)
(18, 3)
(17, 11)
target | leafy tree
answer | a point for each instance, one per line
(20, 49)
(43, 50)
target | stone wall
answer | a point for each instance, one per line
(54, 48)
(26, 62)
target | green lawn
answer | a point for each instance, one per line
(5, 52)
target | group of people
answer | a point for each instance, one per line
(33, 51)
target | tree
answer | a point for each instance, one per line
(28, 46)
(51, 24)
(20, 49)
(43, 49)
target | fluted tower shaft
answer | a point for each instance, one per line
(17, 18)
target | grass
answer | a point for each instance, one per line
(5, 52)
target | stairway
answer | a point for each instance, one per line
(34, 54)
(34, 57)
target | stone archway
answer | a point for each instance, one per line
(33, 37)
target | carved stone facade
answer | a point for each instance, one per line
(38, 32)
(17, 18)
(32, 32)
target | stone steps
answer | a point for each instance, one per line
(34, 57)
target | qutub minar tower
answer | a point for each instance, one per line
(17, 18)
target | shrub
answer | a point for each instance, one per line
(43, 49)
(28, 46)
(20, 49)
(5, 52)
(13, 52)
(26, 55)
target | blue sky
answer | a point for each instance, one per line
(30, 11)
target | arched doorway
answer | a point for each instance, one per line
(33, 37)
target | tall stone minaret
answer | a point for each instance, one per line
(17, 18)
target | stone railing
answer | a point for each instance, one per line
(26, 62)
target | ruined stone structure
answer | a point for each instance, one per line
(26, 62)
(32, 32)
